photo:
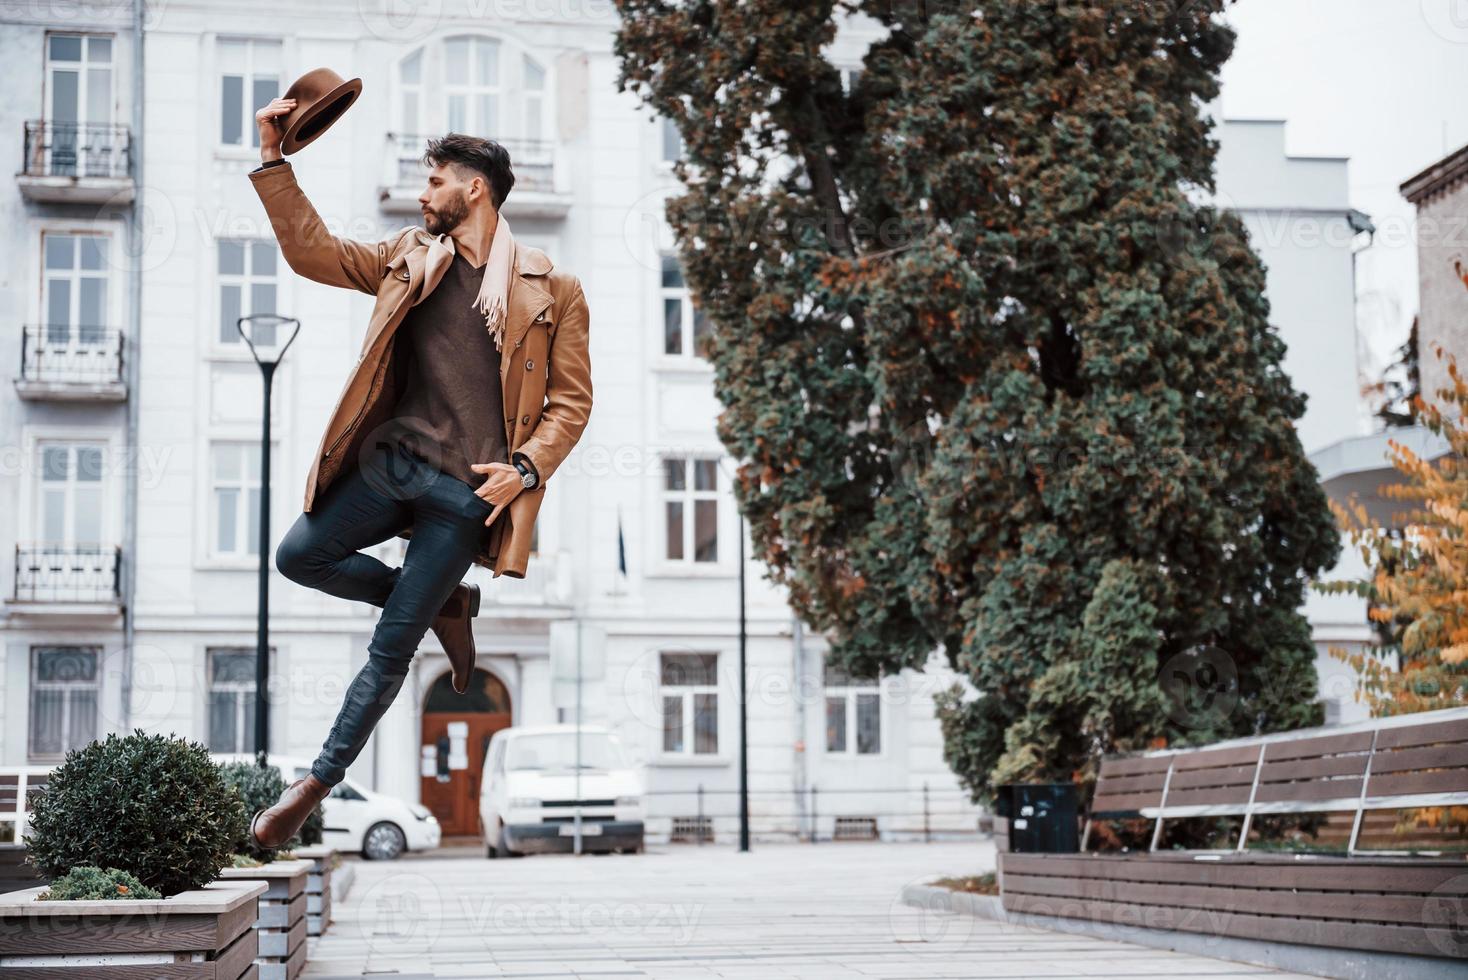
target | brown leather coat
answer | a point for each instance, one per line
(545, 369)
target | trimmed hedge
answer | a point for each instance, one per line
(154, 806)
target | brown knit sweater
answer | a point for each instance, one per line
(451, 397)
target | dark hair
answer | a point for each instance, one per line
(483, 156)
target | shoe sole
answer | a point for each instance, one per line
(254, 839)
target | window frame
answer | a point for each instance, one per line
(249, 133)
(82, 68)
(431, 91)
(689, 315)
(689, 497)
(850, 692)
(245, 281)
(33, 685)
(247, 737)
(687, 696)
(249, 451)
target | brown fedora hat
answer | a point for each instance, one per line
(321, 97)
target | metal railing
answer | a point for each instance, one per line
(18, 787)
(532, 161)
(65, 354)
(47, 572)
(76, 149)
(812, 815)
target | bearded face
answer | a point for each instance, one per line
(446, 216)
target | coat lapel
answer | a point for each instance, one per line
(427, 258)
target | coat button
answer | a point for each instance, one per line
(525, 420)
(530, 365)
(540, 317)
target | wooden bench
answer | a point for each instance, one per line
(1391, 900)
(18, 785)
(1383, 764)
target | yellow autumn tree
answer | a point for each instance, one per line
(1418, 585)
(1417, 592)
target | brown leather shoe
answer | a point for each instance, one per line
(272, 827)
(454, 627)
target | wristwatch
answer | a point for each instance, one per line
(527, 475)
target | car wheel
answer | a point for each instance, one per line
(503, 850)
(383, 842)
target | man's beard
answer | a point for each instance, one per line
(444, 221)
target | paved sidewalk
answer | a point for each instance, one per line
(783, 910)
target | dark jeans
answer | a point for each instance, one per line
(367, 504)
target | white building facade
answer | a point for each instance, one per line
(649, 479)
(132, 600)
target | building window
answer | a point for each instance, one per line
(671, 140)
(249, 77)
(74, 292)
(64, 696)
(690, 697)
(686, 329)
(234, 492)
(534, 99)
(231, 708)
(853, 713)
(71, 496)
(691, 509)
(246, 286)
(79, 79)
(472, 84)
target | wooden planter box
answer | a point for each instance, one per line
(282, 921)
(203, 934)
(318, 886)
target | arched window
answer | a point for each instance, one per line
(472, 83)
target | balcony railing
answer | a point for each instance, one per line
(52, 572)
(72, 149)
(59, 355)
(533, 162)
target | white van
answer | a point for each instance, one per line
(527, 798)
(379, 826)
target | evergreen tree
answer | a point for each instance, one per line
(997, 384)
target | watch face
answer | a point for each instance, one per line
(527, 480)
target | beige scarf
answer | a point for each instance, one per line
(494, 289)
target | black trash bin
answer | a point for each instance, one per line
(1042, 817)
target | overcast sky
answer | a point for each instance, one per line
(1382, 82)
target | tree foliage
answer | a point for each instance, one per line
(998, 385)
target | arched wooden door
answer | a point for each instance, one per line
(456, 731)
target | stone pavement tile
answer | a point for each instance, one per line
(780, 912)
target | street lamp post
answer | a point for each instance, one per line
(729, 468)
(263, 333)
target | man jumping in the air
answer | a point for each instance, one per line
(473, 384)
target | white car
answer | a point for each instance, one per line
(381, 827)
(528, 796)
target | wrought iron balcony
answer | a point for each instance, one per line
(72, 161)
(533, 163)
(66, 362)
(56, 572)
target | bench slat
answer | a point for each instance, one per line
(1400, 909)
(1429, 734)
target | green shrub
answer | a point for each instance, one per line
(154, 806)
(89, 883)
(260, 787)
